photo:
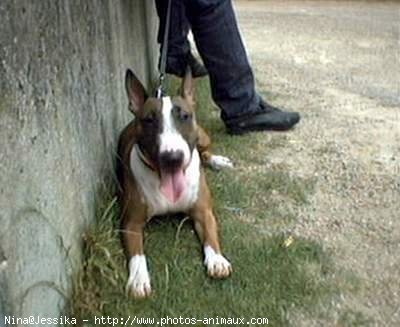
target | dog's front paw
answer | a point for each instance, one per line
(217, 265)
(138, 285)
(219, 162)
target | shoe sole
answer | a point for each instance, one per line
(259, 128)
(241, 131)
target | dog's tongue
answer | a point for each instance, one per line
(172, 184)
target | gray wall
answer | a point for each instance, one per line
(62, 105)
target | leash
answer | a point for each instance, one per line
(163, 60)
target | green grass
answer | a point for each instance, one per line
(354, 319)
(269, 279)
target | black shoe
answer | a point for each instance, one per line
(198, 70)
(178, 67)
(266, 118)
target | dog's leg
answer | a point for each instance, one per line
(134, 221)
(207, 229)
(214, 161)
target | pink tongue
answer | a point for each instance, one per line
(172, 184)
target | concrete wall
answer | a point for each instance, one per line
(62, 105)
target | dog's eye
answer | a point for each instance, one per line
(182, 115)
(149, 120)
(185, 116)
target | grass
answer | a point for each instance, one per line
(269, 279)
(259, 287)
(354, 318)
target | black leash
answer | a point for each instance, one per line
(163, 60)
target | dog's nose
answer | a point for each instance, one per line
(171, 160)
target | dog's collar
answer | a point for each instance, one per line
(143, 158)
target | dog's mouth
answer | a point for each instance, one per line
(173, 183)
(172, 174)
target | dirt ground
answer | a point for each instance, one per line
(337, 62)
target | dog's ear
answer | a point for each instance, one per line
(136, 93)
(187, 89)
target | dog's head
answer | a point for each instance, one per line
(167, 131)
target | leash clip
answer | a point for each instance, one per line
(160, 88)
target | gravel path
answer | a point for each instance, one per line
(338, 63)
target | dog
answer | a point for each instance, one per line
(160, 155)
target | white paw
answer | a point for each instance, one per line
(138, 284)
(217, 265)
(219, 162)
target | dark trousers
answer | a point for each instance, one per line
(219, 43)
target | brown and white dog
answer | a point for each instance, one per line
(160, 154)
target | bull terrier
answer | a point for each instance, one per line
(159, 171)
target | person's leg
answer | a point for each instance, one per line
(220, 45)
(178, 53)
